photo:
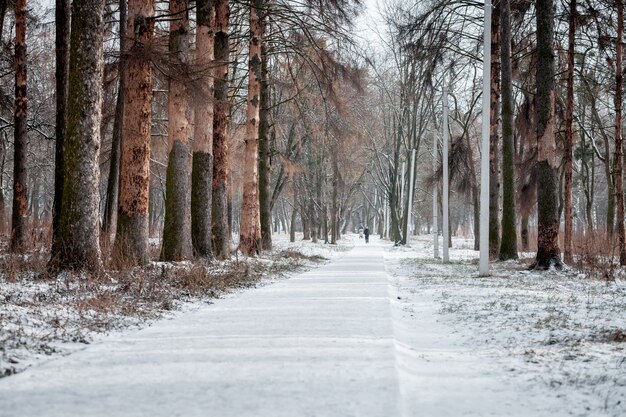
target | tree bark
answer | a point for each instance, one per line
(619, 150)
(62, 40)
(176, 244)
(19, 219)
(131, 240)
(508, 242)
(250, 232)
(569, 138)
(548, 252)
(265, 194)
(221, 229)
(494, 162)
(110, 207)
(202, 170)
(79, 229)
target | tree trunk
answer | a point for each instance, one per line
(202, 170)
(176, 244)
(619, 150)
(250, 231)
(508, 242)
(221, 229)
(265, 194)
(79, 229)
(110, 208)
(131, 239)
(524, 233)
(62, 40)
(548, 252)
(494, 168)
(3, 12)
(569, 138)
(334, 211)
(19, 219)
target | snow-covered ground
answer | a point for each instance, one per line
(415, 338)
(517, 343)
(41, 319)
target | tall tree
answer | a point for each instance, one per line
(266, 197)
(508, 242)
(569, 138)
(79, 231)
(202, 169)
(619, 150)
(19, 219)
(112, 194)
(250, 234)
(131, 238)
(548, 252)
(176, 244)
(221, 228)
(62, 35)
(494, 161)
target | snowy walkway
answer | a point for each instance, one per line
(318, 344)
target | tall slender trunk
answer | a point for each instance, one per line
(619, 150)
(110, 208)
(79, 229)
(221, 228)
(569, 138)
(334, 211)
(62, 41)
(250, 231)
(131, 238)
(494, 160)
(508, 242)
(202, 170)
(265, 193)
(19, 219)
(548, 252)
(176, 244)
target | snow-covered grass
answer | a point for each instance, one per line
(42, 316)
(557, 337)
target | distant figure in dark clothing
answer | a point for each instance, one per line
(366, 232)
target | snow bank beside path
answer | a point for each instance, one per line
(518, 343)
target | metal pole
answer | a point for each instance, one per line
(484, 159)
(435, 206)
(446, 192)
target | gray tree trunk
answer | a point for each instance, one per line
(79, 229)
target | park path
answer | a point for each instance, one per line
(318, 344)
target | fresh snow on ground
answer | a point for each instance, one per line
(517, 343)
(377, 331)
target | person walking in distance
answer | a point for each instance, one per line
(366, 233)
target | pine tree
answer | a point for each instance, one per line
(548, 252)
(79, 229)
(176, 244)
(19, 219)
(131, 238)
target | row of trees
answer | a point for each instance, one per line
(294, 114)
(555, 116)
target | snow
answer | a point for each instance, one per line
(377, 331)
(517, 343)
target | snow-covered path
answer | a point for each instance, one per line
(318, 344)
